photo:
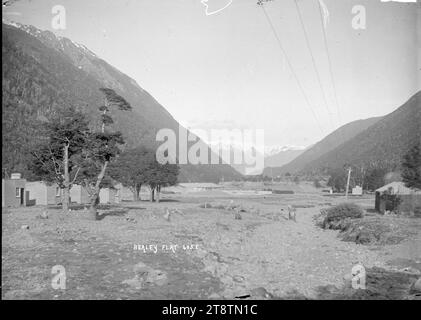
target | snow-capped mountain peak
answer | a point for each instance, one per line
(272, 150)
(48, 37)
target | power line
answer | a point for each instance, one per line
(313, 61)
(291, 68)
(330, 64)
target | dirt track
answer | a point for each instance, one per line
(263, 255)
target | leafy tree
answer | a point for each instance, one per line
(55, 157)
(375, 178)
(101, 148)
(337, 180)
(21, 131)
(411, 168)
(130, 169)
(265, 178)
(159, 175)
(316, 183)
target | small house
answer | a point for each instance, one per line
(409, 199)
(43, 193)
(109, 195)
(13, 191)
(79, 195)
(123, 193)
(357, 191)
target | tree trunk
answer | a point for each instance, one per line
(66, 193)
(158, 193)
(93, 207)
(104, 113)
(66, 199)
(152, 198)
(136, 193)
(95, 195)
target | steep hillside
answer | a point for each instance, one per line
(42, 73)
(382, 143)
(326, 145)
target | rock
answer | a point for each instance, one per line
(146, 274)
(25, 227)
(416, 286)
(44, 215)
(365, 237)
(261, 293)
(167, 215)
(201, 253)
(211, 268)
(135, 283)
(238, 278)
(214, 296)
(140, 267)
(225, 240)
(177, 211)
(411, 270)
(156, 277)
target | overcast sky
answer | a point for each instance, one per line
(227, 70)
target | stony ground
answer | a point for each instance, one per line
(134, 252)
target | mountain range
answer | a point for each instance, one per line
(375, 141)
(43, 73)
(283, 157)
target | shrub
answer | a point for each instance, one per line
(344, 210)
(376, 230)
(371, 230)
(338, 217)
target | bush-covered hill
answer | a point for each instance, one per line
(379, 142)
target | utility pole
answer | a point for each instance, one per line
(347, 183)
(362, 178)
